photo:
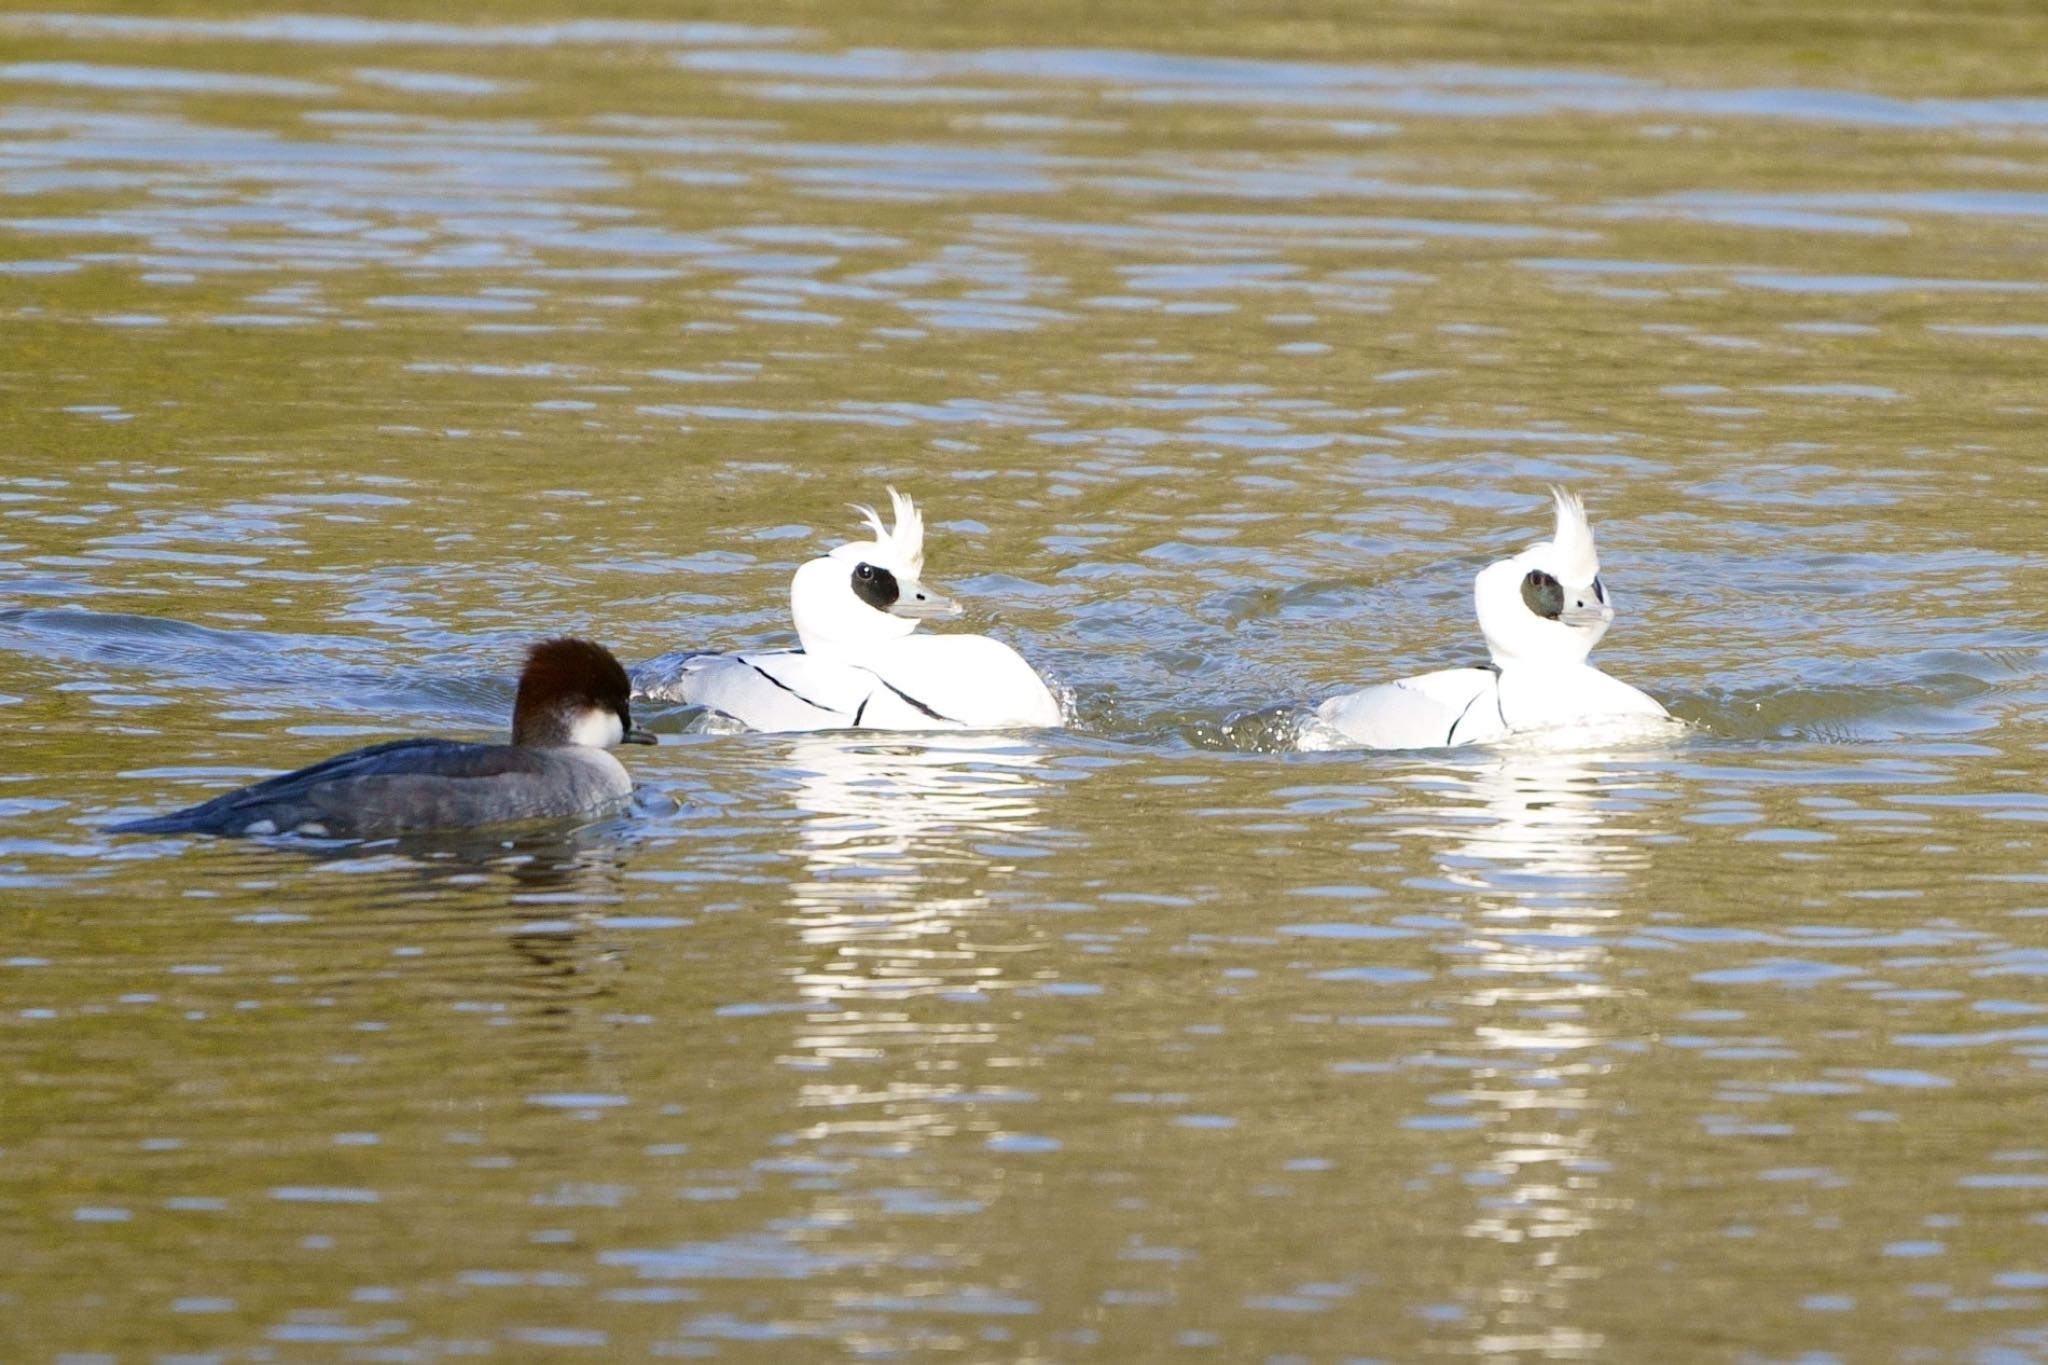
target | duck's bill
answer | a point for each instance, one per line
(919, 603)
(1586, 618)
(638, 736)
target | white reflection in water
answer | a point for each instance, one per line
(900, 841)
(1541, 820)
(903, 843)
(1546, 840)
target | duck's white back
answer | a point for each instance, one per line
(974, 681)
(1454, 706)
(921, 682)
(1573, 694)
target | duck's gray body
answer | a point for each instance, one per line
(409, 785)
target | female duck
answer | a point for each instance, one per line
(571, 708)
(1541, 613)
(859, 663)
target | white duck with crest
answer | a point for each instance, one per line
(1541, 613)
(861, 662)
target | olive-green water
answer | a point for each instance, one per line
(342, 354)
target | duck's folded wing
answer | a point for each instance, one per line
(922, 682)
(667, 678)
(328, 793)
(1434, 710)
(777, 691)
(954, 681)
(503, 786)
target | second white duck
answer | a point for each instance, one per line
(860, 663)
(1541, 612)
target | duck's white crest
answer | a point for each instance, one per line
(1574, 537)
(906, 541)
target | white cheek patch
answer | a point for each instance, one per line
(598, 728)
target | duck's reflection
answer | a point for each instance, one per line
(907, 845)
(1540, 823)
(544, 894)
(1542, 845)
(902, 843)
(890, 809)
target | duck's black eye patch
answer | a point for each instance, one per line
(1543, 595)
(875, 586)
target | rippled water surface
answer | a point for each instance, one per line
(342, 355)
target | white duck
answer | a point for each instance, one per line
(860, 664)
(1541, 613)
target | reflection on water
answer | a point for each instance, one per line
(904, 843)
(884, 816)
(1545, 839)
(1539, 818)
(348, 353)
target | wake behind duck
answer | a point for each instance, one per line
(860, 664)
(1541, 613)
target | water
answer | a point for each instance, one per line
(344, 355)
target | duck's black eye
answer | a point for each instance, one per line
(875, 586)
(1543, 595)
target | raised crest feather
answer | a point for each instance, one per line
(906, 540)
(1578, 561)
